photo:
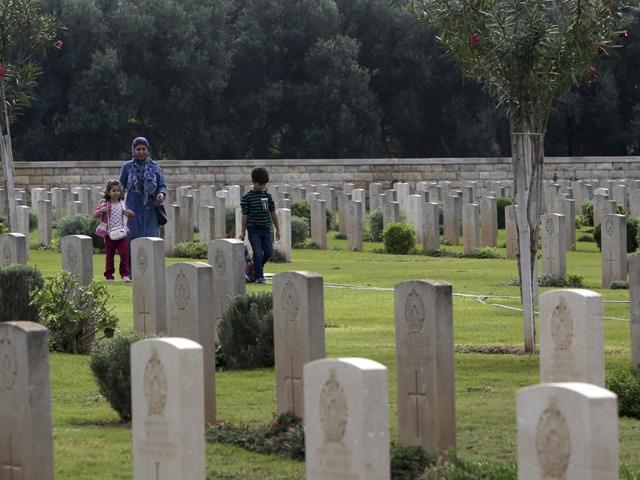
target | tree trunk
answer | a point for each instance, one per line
(9, 186)
(528, 162)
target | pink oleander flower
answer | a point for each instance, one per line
(1, 77)
(1, 71)
(607, 12)
(601, 49)
(623, 33)
(474, 38)
(59, 43)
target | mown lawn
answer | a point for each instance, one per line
(90, 443)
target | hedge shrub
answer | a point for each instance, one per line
(399, 238)
(501, 203)
(626, 385)
(300, 230)
(17, 289)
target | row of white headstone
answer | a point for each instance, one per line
(565, 430)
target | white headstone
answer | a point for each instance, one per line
(186, 217)
(45, 222)
(431, 226)
(77, 257)
(470, 227)
(354, 226)
(13, 249)
(511, 232)
(554, 254)
(634, 308)
(403, 193)
(149, 290)
(319, 223)
(172, 229)
(207, 224)
(284, 244)
(390, 213)
(451, 220)
(221, 217)
(413, 208)
(613, 235)
(489, 222)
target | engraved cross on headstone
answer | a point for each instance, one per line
(292, 381)
(610, 262)
(416, 394)
(468, 242)
(11, 471)
(550, 258)
(144, 314)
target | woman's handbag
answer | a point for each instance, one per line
(162, 213)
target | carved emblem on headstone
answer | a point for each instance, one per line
(512, 215)
(467, 213)
(352, 209)
(388, 207)
(6, 254)
(334, 415)
(143, 259)
(181, 291)
(221, 262)
(414, 312)
(550, 226)
(610, 227)
(449, 203)
(8, 364)
(290, 301)
(564, 206)
(72, 256)
(562, 326)
(426, 224)
(316, 207)
(485, 205)
(553, 442)
(155, 385)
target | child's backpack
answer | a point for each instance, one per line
(249, 274)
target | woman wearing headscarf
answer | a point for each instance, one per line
(143, 181)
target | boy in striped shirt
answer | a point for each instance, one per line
(258, 210)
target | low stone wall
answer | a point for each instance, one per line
(361, 172)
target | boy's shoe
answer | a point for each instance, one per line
(259, 280)
(126, 279)
(109, 279)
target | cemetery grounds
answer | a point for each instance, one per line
(90, 442)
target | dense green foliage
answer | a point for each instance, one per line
(408, 463)
(300, 230)
(246, 332)
(626, 385)
(303, 210)
(587, 208)
(75, 315)
(376, 224)
(502, 202)
(190, 250)
(72, 225)
(242, 82)
(465, 469)
(33, 219)
(230, 220)
(110, 363)
(399, 238)
(17, 289)
(632, 234)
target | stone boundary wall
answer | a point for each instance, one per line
(361, 172)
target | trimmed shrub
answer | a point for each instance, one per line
(409, 462)
(72, 225)
(587, 210)
(376, 222)
(302, 209)
(583, 206)
(632, 235)
(17, 289)
(586, 238)
(575, 281)
(550, 280)
(190, 250)
(340, 236)
(300, 230)
(626, 385)
(477, 469)
(246, 332)
(482, 253)
(230, 220)
(33, 220)
(619, 285)
(110, 363)
(74, 314)
(399, 238)
(502, 202)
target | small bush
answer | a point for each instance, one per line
(632, 235)
(335, 247)
(74, 315)
(18, 284)
(463, 469)
(110, 363)
(376, 222)
(482, 253)
(277, 257)
(619, 285)
(550, 280)
(626, 385)
(575, 281)
(409, 462)
(366, 236)
(578, 222)
(246, 332)
(3, 228)
(399, 238)
(300, 230)
(340, 236)
(190, 250)
(230, 219)
(33, 220)
(586, 238)
(501, 203)
(72, 225)
(587, 211)
(583, 206)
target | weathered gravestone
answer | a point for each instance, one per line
(167, 403)
(221, 217)
(284, 244)
(425, 365)
(467, 195)
(86, 198)
(403, 193)
(567, 431)
(550, 192)
(451, 220)
(413, 206)
(172, 229)
(189, 307)
(390, 213)
(511, 232)
(77, 257)
(23, 223)
(609, 207)
(378, 201)
(246, 241)
(298, 194)
(554, 254)
(45, 222)
(470, 227)
(319, 223)
(567, 208)
(392, 195)
(26, 426)
(634, 203)
(234, 195)
(347, 188)
(207, 224)
(347, 420)
(435, 193)
(227, 258)
(343, 201)
(149, 286)
(430, 226)
(613, 235)
(354, 227)
(13, 249)
(620, 195)
(313, 196)
(360, 195)
(186, 217)
(207, 196)
(489, 222)
(598, 202)
(298, 324)
(634, 308)
(3, 207)
(75, 208)
(374, 189)
(571, 337)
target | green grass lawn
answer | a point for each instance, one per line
(90, 443)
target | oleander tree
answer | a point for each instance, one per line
(25, 33)
(527, 54)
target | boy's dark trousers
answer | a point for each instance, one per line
(260, 239)
(111, 246)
